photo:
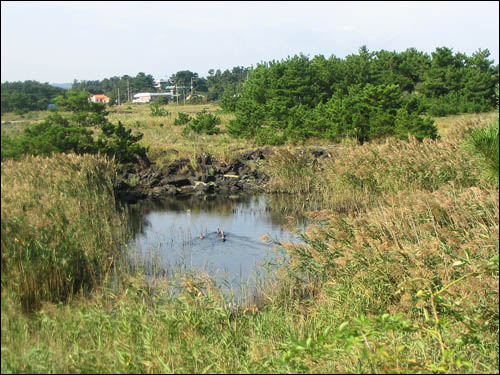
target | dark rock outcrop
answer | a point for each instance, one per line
(145, 180)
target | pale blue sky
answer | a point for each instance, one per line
(60, 41)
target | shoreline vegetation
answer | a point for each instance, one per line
(398, 272)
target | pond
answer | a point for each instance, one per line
(182, 233)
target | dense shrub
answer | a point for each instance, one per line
(371, 112)
(182, 118)
(118, 142)
(204, 122)
(58, 134)
(484, 142)
(157, 111)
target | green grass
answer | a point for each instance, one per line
(398, 273)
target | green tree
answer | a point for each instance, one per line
(182, 78)
(83, 112)
(204, 122)
(58, 134)
(27, 96)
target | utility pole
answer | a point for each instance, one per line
(128, 89)
(118, 96)
(191, 88)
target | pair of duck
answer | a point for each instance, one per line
(221, 232)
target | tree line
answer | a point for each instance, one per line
(21, 97)
(212, 87)
(31, 95)
(365, 96)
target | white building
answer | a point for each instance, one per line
(158, 83)
(146, 97)
(99, 98)
(142, 97)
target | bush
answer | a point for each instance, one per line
(56, 134)
(204, 122)
(157, 111)
(182, 118)
(484, 142)
(60, 135)
(118, 142)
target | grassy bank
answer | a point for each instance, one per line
(165, 140)
(399, 273)
(356, 177)
(60, 228)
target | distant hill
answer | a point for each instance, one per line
(66, 86)
(22, 97)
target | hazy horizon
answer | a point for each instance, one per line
(59, 42)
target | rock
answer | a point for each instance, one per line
(180, 178)
(204, 160)
(176, 166)
(202, 188)
(177, 181)
(189, 189)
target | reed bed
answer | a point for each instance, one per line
(355, 177)
(60, 228)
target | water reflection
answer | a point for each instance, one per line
(182, 233)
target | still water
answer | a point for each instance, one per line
(181, 233)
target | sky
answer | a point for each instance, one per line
(59, 41)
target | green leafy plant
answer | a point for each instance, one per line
(204, 122)
(484, 142)
(119, 142)
(157, 111)
(182, 118)
(58, 134)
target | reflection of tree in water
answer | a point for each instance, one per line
(269, 207)
(280, 206)
(222, 205)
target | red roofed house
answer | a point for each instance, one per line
(100, 98)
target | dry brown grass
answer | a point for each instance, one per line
(60, 227)
(356, 176)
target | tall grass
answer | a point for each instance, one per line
(60, 228)
(355, 177)
(431, 257)
(398, 274)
